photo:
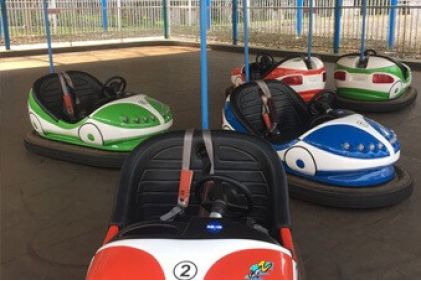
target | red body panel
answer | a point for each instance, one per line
(280, 72)
(118, 263)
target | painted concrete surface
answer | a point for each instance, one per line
(54, 214)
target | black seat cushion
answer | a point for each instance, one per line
(150, 177)
(49, 94)
(293, 116)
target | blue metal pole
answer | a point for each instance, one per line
(165, 15)
(1, 25)
(234, 22)
(104, 15)
(48, 36)
(392, 24)
(364, 12)
(246, 40)
(5, 24)
(299, 25)
(337, 26)
(203, 65)
(310, 29)
(208, 7)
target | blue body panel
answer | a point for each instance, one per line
(330, 139)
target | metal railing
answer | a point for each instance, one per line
(392, 25)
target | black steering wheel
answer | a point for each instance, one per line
(370, 52)
(322, 102)
(264, 61)
(320, 107)
(219, 196)
(114, 87)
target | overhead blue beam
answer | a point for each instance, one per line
(48, 35)
(392, 24)
(204, 65)
(5, 24)
(337, 26)
(246, 39)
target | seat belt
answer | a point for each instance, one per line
(207, 139)
(70, 84)
(186, 177)
(67, 98)
(268, 109)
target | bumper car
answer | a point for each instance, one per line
(218, 209)
(333, 157)
(375, 83)
(77, 118)
(306, 76)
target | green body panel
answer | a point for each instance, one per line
(162, 108)
(394, 70)
(111, 115)
(371, 95)
(362, 94)
(126, 115)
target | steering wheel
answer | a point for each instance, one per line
(264, 61)
(147, 228)
(370, 52)
(218, 198)
(114, 87)
(322, 102)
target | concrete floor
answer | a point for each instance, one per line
(54, 214)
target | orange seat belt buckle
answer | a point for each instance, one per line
(186, 178)
(68, 104)
(266, 120)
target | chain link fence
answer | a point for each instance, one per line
(279, 24)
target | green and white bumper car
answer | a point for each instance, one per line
(77, 118)
(373, 83)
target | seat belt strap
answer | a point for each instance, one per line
(207, 139)
(71, 85)
(67, 99)
(186, 175)
(186, 178)
(267, 110)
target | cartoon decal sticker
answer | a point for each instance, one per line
(258, 270)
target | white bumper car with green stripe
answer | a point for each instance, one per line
(77, 118)
(374, 83)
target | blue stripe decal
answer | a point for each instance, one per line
(348, 141)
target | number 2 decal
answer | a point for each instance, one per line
(185, 270)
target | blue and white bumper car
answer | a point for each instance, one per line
(333, 157)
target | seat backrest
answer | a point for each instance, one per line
(150, 176)
(293, 116)
(48, 92)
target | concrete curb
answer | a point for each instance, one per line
(326, 57)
